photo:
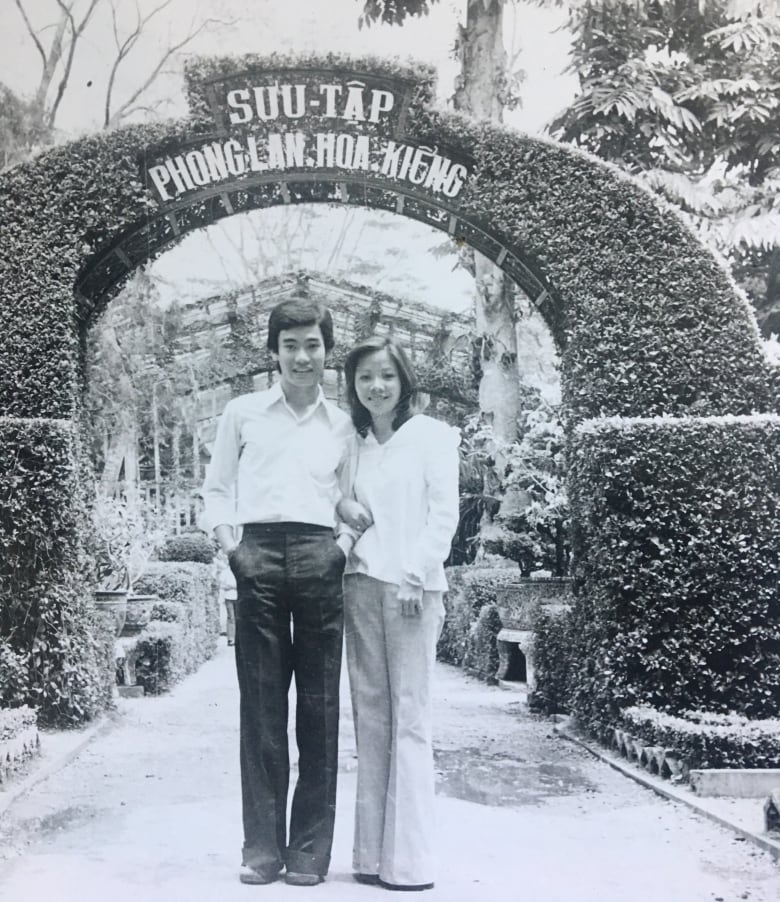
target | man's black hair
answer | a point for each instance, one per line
(297, 312)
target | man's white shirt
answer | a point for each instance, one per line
(269, 465)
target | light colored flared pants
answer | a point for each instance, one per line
(390, 658)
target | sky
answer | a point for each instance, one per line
(392, 253)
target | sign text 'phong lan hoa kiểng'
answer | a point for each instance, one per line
(308, 125)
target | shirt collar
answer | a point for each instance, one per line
(275, 395)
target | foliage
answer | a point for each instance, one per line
(686, 95)
(479, 489)
(193, 586)
(160, 657)
(15, 721)
(471, 588)
(19, 132)
(44, 614)
(124, 540)
(19, 740)
(195, 546)
(14, 675)
(140, 392)
(648, 322)
(707, 740)
(481, 656)
(531, 526)
(72, 24)
(393, 12)
(676, 565)
(554, 651)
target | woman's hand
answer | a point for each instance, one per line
(354, 514)
(410, 596)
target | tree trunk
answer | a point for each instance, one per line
(478, 93)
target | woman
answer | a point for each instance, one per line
(401, 498)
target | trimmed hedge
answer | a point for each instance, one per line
(676, 560)
(705, 740)
(554, 650)
(194, 587)
(471, 588)
(481, 656)
(50, 657)
(19, 740)
(161, 657)
(188, 547)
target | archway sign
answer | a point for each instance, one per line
(649, 326)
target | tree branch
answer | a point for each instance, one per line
(112, 118)
(32, 33)
(77, 31)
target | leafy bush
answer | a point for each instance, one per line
(45, 572)
(14, 677)
(123, 540)
(160, 657)
(471, 588)
(554, 652)
(707, 740)
(168, 612)
(18, 739)
(678, 569)
(194, 587)
(196, 547)
(481, 655)
(15, 721)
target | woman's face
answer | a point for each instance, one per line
(377, 383)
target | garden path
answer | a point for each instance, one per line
(149, 810)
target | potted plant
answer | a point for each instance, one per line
(124, 540)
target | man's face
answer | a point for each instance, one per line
(301, 356)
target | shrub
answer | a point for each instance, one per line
(481, 655)
(45, 574)
(554, 652)
(18, 739)
(161, 657)
(708, 740)
(470, 589)
(16, 721)
(193, 586)
(188, 547)
(14, 677)
(677, 564)
(168, 612)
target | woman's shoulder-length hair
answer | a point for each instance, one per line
(409, 403)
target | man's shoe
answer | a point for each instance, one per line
(369, 879)
(406, 887)
(296, 879)
(256, 877)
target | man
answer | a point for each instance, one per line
(273, 473)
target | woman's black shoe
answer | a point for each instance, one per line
(370, 879)
(406, 887)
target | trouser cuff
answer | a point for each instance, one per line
(306, 863)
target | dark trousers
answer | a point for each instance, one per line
(288, 575)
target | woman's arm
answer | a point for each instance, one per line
(441, 470)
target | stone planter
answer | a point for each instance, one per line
(517, 605)
(112, 604)
(139, 613)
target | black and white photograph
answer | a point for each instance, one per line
(389, 450)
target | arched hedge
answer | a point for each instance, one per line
(648, 322)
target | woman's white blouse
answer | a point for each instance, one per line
(410, 486)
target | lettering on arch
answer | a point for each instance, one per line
(274, 125)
